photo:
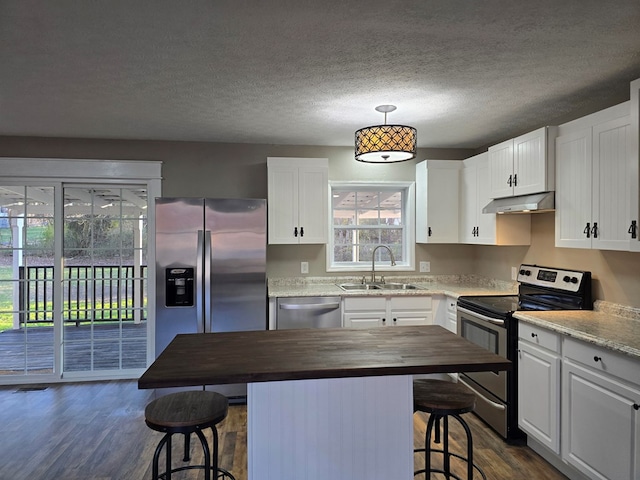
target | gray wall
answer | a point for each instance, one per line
(229, 170)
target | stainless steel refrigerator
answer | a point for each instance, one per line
(210, 269)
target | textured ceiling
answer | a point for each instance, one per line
(465, 73)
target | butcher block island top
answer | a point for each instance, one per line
(278, 355)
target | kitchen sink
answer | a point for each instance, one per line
(358, 286)
(376, 286)
(396, 286)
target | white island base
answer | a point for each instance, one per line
(337, 428)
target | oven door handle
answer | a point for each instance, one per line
(495, 321)
(498, 406)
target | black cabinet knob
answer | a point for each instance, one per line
(597, 359)
(534, 335)
(636, 406)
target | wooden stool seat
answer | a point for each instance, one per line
(443, 399)
(186, 413)
(193, 409)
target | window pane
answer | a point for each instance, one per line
(369, 213)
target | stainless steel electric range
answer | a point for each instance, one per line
(487, 320)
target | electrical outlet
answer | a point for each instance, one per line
(514, 273)
(425, 267)
(304, 267)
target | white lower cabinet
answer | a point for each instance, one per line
(451, 320)
(581, 403)
(600, 423)
(367, 312)
(539, 385)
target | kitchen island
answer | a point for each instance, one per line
(325, 403)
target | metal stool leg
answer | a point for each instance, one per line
(187, 437)
(156, 456)
(168, 458)
(207, 455)
(446, 457)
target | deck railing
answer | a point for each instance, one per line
(90, 292)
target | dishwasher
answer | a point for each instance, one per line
(308, 312)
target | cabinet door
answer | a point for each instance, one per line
(364, 319)
(282, 204)
(530, 163)
(486, 232)
(468, 203)
(573, 189)
(539, 394)
(600, 426)
(611, 215)
(634, 169)
(313, 210)
(411, 318)
(437, 201)
(501, 170)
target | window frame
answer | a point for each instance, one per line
(408, 214)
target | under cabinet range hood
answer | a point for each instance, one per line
(536, 202)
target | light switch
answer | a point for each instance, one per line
(425, 267)
(304, 267)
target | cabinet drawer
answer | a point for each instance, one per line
(539, 336)
(410, 303)
(365, 303)
(602, 360)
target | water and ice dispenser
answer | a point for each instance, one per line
(179, 287)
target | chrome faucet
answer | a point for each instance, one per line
(373, 261)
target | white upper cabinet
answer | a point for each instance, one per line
(437, 201)
(523, 165)
(634, 167)
(594, 181)
(297, 200)
(486, 228)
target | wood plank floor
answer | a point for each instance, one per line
(96, 431)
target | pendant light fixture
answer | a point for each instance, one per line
(386, 143)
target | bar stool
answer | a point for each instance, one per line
(187, 412)
(443, 399)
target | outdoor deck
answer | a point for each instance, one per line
(87, 347)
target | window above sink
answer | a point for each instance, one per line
(365, 215)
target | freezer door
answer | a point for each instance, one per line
(179, 232)
(238, 259)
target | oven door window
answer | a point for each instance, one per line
(480, 335)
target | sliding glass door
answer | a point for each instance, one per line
(73, 270)
(27, 224)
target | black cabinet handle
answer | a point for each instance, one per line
(510, 181)
(633, 229)
(587, 230)
(636, 406)
(302, 231)
(534, 335)
(394, 320)
(594, 230)
(597, 359)
(295, 231)
(515, 179)
(429, 231)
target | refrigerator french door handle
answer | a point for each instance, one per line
(208, 267)
(199, 281)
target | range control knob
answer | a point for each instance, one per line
(574, 279)
(566, 278)
(524, 272)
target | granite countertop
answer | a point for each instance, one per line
(450, 285)
(610, 326)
